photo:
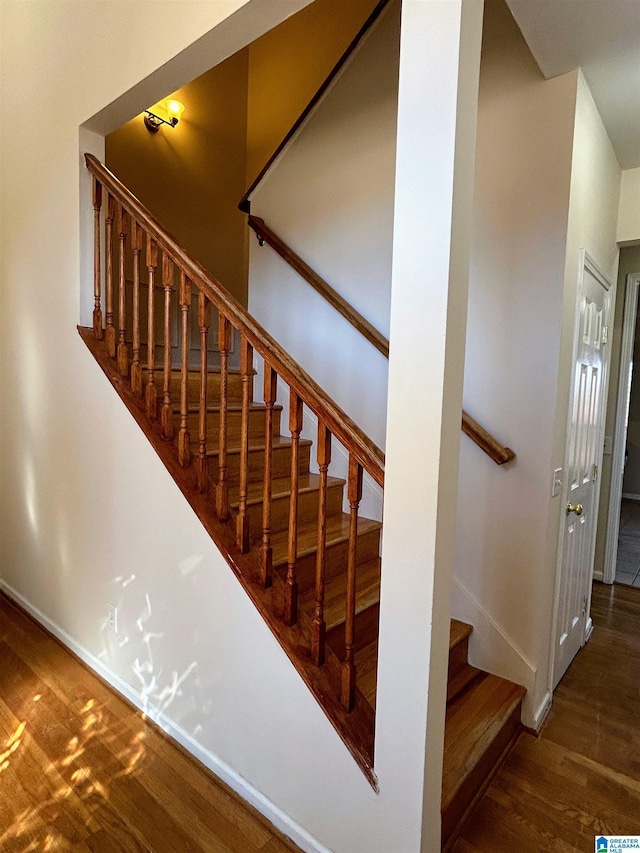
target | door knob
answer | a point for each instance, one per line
(577, 508)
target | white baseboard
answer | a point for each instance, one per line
(588, 630)
(631, 497)
(298, 834)
(542, 712)
(489, 646)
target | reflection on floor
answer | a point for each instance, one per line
(82, 770)
(628, 564)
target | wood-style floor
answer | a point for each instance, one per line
(81, 770)
(581, 777)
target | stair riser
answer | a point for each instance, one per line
(281, 463)
(365, 632)
(458, 657)
(234, 425)
(234, 386)
(307, 511)
(336, 559)
(461, 680)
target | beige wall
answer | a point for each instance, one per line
(629, 209)
(191, 177)
(88, 514)
(521, 205)
(629, 263)
(288, 64)
(236, 114)
(330, 196)
(592, 225)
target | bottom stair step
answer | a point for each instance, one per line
(481, 725)
(367, 671)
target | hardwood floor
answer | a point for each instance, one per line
(81, 770)
(581, 777)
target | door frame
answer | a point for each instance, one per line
(632, 287)
(586, 264)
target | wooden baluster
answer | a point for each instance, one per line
(110, 332)
(151, 392)
(136, 248)
(242, 520)
(202, 464)
(166, 416)
(222, 487)
(291, 589)
(184, 439)
(266, 554)
(318, 627)
(98, 331)
(123, 353)
(354, 492)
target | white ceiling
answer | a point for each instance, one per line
(603, 38)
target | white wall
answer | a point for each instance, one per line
(89, 515)
(629, 208)
(593, 220)
(629, 264)
(523, 163)
(330, 197)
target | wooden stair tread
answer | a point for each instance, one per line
(337, 531)
(474, 720)
(193, 372)
(255, 445)
(232, 406)
(367, 593)
(458, 632)
(281, 487)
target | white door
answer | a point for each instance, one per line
(583, 460)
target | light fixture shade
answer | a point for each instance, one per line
(175, 110)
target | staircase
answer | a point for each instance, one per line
(482, 724)
(289, 530)
(289, 527)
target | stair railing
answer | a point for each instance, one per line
(163, 256)
(491, 446)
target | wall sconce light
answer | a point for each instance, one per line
(164, 112)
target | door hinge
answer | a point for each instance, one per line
(605, 334)
(584, 605)
(595, 473)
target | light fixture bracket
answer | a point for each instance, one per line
(153, 121)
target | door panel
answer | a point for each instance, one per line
(584, 452)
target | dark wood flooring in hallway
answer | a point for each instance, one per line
(81, 770)
(581, 777)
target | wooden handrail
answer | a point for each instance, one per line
(245, 203)
(266, 235)
(339, 423)
(491, 446)
(498, 452)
